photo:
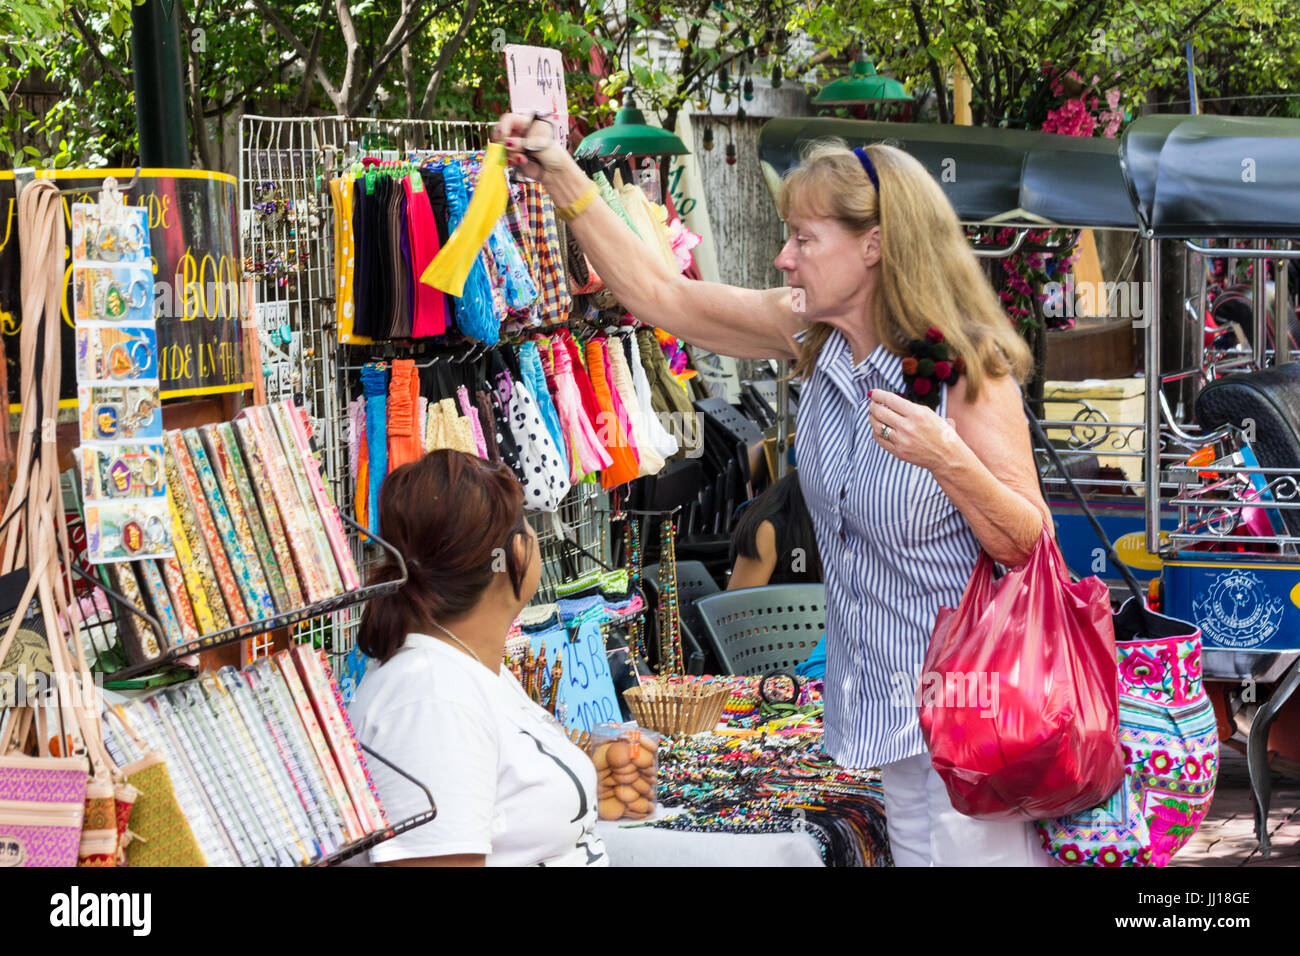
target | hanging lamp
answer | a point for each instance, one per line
(630, 134)
(862, 85)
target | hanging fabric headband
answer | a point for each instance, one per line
(868, 165)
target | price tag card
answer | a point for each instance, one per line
(587, 695)
(535, 75)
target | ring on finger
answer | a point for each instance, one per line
(885, 432)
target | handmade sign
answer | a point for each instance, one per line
(535, 76)
(586, 686)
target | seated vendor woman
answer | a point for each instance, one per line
(510, 788)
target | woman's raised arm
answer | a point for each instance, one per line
(726, 319)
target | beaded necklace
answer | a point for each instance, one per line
(636, 627)
(670, 621)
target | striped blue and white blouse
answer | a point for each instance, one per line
(894, 549)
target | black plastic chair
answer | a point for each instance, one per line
(756, 631)
(693, 582)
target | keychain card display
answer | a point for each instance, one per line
(110, 472)
(119, 294)
(116, 354)
(116, 412)
(128, 530)
(125, 239)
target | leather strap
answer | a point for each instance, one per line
(34, 525)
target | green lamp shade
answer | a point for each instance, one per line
(863, 85)
(631, 135)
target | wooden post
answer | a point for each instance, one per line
(961, 90)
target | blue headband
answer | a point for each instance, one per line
(868, 165)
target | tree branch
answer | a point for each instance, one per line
(936, 75)
(291, 38)
(445, 55)
(92, 44)
(198, 128)
(343, 101)
(379, 68)
(303, 96)
(408, 65)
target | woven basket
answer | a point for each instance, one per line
(676, 708)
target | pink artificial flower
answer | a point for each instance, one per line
(683, 241)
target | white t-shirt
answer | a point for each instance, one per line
(507, 781)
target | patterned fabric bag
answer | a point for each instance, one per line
(1171, 750)
(162, 835)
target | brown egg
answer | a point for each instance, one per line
(626, 794)
(601, 757)
(617, 755)
(641, 786)
(640, 805)
(609, 809)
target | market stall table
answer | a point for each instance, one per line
(632, 844)
(764, 795)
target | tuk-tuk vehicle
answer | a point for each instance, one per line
(1194, 472)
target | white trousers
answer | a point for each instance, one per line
(924, 829)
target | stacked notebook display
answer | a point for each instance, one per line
(256, 533)
(264, 763)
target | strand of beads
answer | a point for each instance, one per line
(670, 631)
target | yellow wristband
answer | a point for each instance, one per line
(575, 208)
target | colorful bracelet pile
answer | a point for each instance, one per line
(774, 783)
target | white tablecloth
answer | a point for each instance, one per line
(649, 846)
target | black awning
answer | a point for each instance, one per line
(1211, 177)
(1003, 176)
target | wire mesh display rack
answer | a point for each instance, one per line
(287, 233)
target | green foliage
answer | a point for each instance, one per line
(33, 34)
(1014, 51)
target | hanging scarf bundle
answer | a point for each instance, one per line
(451, 267)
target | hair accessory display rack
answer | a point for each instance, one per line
(297, 616)
(379, 836)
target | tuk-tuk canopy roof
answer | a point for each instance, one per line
(1226, 177)
(991, 176)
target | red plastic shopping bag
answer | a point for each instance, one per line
(1019, 697)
